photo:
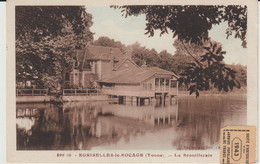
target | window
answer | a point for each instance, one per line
(167, 83)
(144, 86)
(75, 63)
(156, 82)
(67, 76)
(87, 65)
(173, 83)
(76, 78)
(71, 79)
(96, 67)
(162, 83)
(147, 86)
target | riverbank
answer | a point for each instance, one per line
(214, 92)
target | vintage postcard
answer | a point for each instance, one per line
(132, 81)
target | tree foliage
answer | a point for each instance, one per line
(181, 56)
(45, 39)
(209, 71)
(42, 21)
(241, 73)
(191, 23)
(108, 42)
(141, 55)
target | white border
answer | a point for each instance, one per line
(3, 82)
(46, 156)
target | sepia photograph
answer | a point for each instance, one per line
(129, 77)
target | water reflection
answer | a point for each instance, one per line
(189, 124)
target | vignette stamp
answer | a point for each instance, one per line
(238, 144)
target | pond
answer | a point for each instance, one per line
(186, 124)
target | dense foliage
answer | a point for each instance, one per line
(190, 22)
(45, 38)
(42, 21)
(209, 71)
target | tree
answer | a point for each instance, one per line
(241, 73)
(42, 21)
(141, 55)
(108, 42)
(190, 24)
(166, 61)
(45, 40)
(182, 57)
(209, 70)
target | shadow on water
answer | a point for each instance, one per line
(188, 124)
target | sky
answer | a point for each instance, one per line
(110, 22)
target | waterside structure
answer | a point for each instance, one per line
(113, 75)
(140, 84)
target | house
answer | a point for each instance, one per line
(92, 63)
(118, 75)
(131, 82)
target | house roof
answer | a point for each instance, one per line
(104, 53)
(117, 65)
(134, 76)
(93, 52)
